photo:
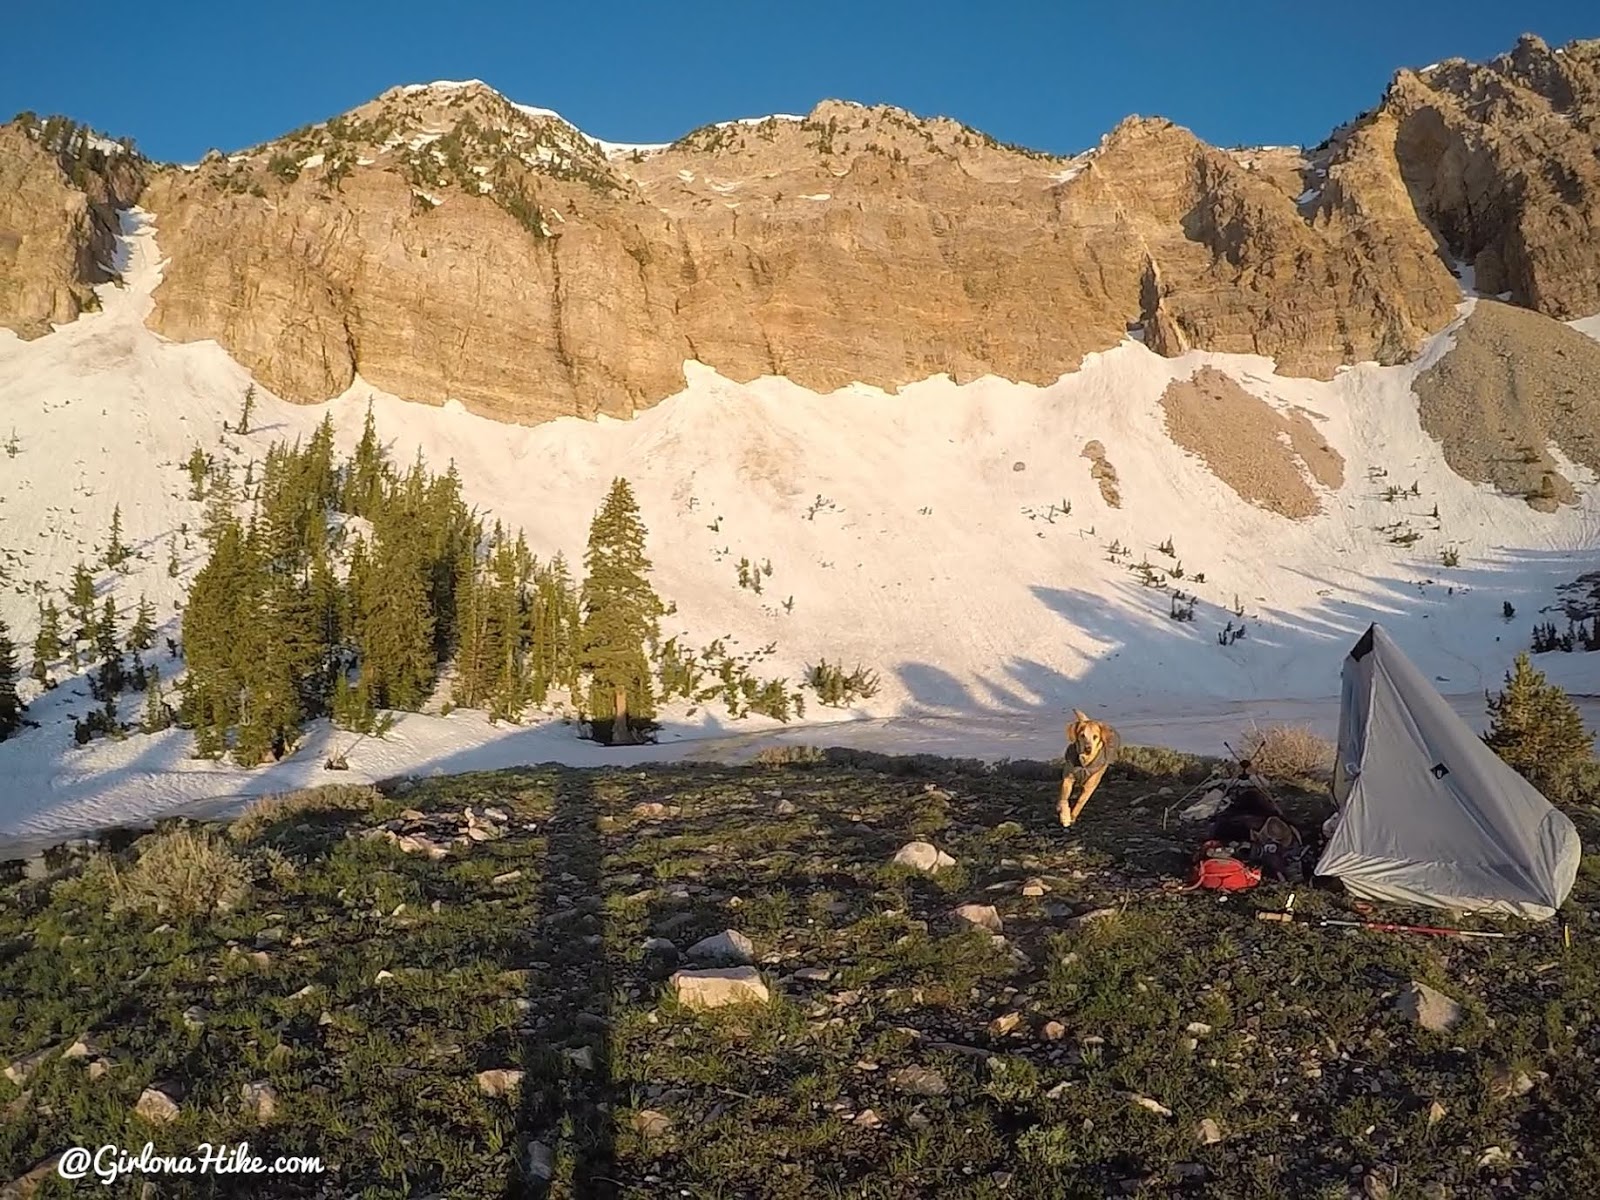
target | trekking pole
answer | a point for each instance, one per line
(1383, 926)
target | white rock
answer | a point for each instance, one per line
(923, 856)
(416, 843)
(719, 987)
(260, 1099)
(1428, 1007)
(156, 1106)
(19, 1071)
(1155, 1106)
(83, 1047)
(1208, 1132)
(499, 1081)
(979, 916)
(918, 1081)
(1093, 915)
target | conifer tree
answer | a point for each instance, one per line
(1537, 730)
(143, 634)
(221, 604)
(475, 657)
(47, 642)
(107, 683)
(10, 704)
(321, 477)
(248, 408)
(352, 706)
(364, 481)
(81, 609)
(220, 507)
(556, 620)
(321, 607)
(157, 713)
(117, 551)
(173, 565)
(396, 624)
(105, 633)
(199, 467)
(621, 613)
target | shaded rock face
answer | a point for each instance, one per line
(1503, 159)
(57, 226)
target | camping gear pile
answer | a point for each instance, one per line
(1428, 814)
(1248, 838)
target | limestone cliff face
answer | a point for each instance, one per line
(57, 221)
(1503, 160)
(444, 243)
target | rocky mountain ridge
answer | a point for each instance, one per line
(60, 187)
(445, 243)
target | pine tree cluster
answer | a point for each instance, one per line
(10, 704)
(1579, 635)
(91, 637)
(715, 674)
(346, 589)
(837, 688)
(1538, 731)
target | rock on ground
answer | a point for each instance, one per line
(730, 946)
(650, 1123)
(156, 1106)
(1428, 1007)
(719, 987)
(260, 1099)
(918, 1081)
(980, 916)
(499, 1081)
(923, 856)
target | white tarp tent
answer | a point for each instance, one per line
(1429, 814)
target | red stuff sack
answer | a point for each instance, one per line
(1224, 874)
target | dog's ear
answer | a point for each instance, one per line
(1072, 730)
(1082, 716)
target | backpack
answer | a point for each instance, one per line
(1223, 874)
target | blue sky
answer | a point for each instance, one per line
(182, 77)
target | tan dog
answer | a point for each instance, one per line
(1091, 747)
